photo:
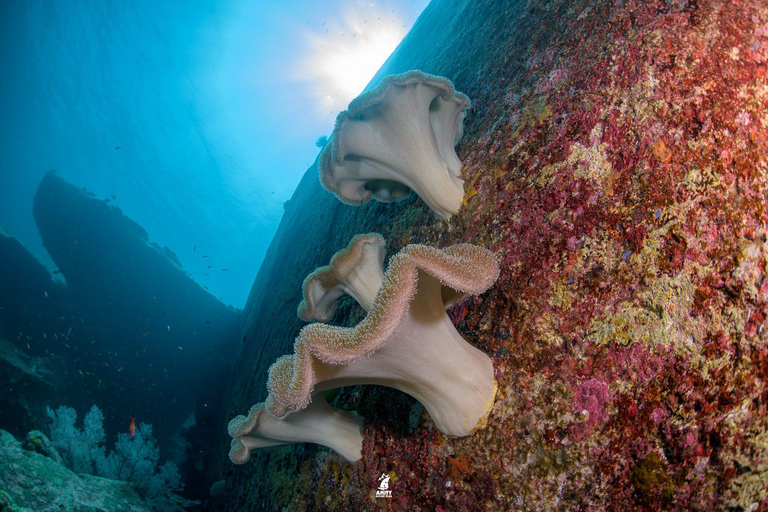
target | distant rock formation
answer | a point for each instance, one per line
(33, 307)
(26, 383)
(162, 342)
(29, 297)
(134, 285)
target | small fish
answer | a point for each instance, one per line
(132, 427)
(57, 272)
(194, 247)
(69, 331)
(113, 197)
(167, 328)
(205, 256)
(145, 333)
(181, 349)
(46, 294)
(224, 269)
(209, 266)
(118, 147)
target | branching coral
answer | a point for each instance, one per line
(406, 342)
(319, 423)
(356, 270)
(396, 138)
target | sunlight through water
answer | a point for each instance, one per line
(343, 56)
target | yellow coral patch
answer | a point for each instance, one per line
(591, 162)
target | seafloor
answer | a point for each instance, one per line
(615, 161)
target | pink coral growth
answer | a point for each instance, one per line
(591, 400)
(554, 79)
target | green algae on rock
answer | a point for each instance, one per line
(37, 483)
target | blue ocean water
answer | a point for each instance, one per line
(199, 119)
(189, 126)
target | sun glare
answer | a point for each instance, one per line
(342, 57)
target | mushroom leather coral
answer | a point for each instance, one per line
(319, 423)
(406, 342)
(356, 270)
(396, 138)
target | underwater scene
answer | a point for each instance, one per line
(400, 255)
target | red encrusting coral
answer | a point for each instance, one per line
(616, 161)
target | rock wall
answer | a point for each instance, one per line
(615, 161)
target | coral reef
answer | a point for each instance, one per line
(616, 161)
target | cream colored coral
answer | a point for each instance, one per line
(406, 342)
(319, 423)
(396, 138)
(356, 270)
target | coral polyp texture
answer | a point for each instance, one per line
(406, 342)
(397, 138)
(357, 270)
(319, 423)
(616, 160)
